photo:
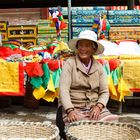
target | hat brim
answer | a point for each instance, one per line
(72, 45)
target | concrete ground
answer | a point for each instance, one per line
(47, 112)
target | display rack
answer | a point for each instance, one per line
(24, 33)
(3, 30)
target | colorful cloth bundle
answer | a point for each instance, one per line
(118, 87)
(45, 81)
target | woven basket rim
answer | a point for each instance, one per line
(46, 123)
(83, 122)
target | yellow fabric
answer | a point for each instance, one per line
(61, 46)
(123, 89)
(50, 93)
(9, 76)
(129, 57)
(131, 73)
(50, 86)
(49, 96)
(2, 60)
(57, 92)
(110, 57)
(111, 86)
(39, 93)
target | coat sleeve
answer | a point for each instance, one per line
(65, 83)
(103, 87)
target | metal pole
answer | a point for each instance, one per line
(69, 19)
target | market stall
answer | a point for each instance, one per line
(47, 64)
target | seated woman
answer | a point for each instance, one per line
(83, 83)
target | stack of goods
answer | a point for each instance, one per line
(45, 32)
(122, 33)
(84, 19)
(120, 24)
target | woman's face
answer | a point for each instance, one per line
(85, 49)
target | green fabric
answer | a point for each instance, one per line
(53, 44)
(56, 77)
(107, 26)
(60, 18)
(59, 38)
(46, 76)
(115, 76)
(10, 45)
(106, 68)
(36, 82)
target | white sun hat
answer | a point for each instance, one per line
(89, 35)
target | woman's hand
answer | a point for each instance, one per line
(72, 116)
(94, 113)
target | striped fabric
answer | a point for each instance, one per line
(83, 113)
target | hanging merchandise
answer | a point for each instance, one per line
(34, 69)
(105, 25)
(47, 86)
(36, 81)
(39, 93)
(12, 79)
(46, 75)
(58, 21)
(96, 24)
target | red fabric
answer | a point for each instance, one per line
(102, 61)
(6, 51)
(51, 49)
(55, 19)
(62, 25)
(27, 53)
(21, 80)
(114, 63)
(34, 69)
(135, 89)
(21, 84)
(104, 25)
(17, 51)
(53, 64)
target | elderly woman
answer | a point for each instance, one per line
(83, 84)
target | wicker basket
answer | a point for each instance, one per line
(91, 130)
(28, 130)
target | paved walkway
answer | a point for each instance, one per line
(47, 113)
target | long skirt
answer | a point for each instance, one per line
(83, 114)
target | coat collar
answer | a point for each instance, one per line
(81, 67)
